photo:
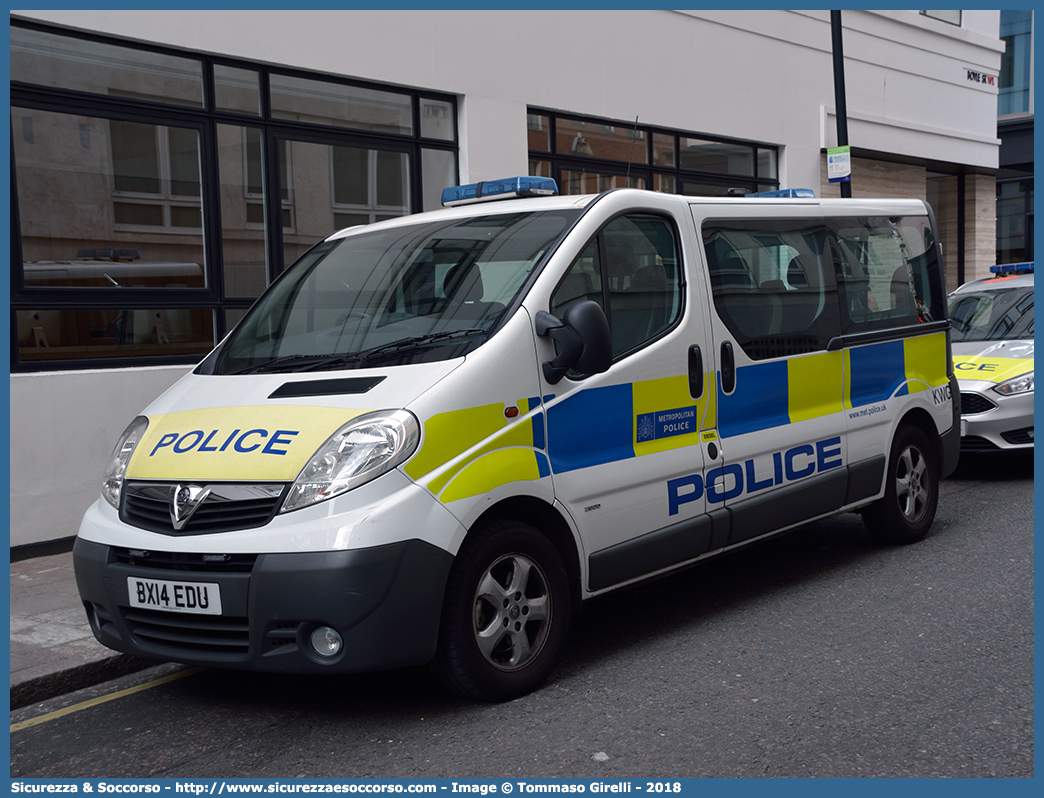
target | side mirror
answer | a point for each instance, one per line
(583, 337)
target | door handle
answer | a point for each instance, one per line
(695, 372)
(728, 367)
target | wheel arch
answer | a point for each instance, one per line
(922, 419)
(550, 523)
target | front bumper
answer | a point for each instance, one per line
(385, 601)
(999, 423)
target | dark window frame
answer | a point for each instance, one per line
(205, 120)
(645, 169)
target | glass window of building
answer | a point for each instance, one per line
(149, 210)
(1016, 74)
(606, 142)
(1014, 221)
(237, 91)
(244, 254)
(589, 155)
(327, 103)
(952, 17)
(57, 61)
(129, 214)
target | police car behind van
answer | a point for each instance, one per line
(434, 437)
(992, 334)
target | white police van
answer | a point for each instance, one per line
(434, 437)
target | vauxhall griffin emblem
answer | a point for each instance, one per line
(184, 501)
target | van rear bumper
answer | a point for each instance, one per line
(384, 601)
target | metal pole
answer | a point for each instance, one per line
(839, 90)
(961, 252)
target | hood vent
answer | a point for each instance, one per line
(333, 387)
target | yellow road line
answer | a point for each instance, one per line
(25, 724)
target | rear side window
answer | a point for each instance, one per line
(888, 272)
(773, 284)
(788, 286)
(631, 268)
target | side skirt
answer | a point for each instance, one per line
(734, 524)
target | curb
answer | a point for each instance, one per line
(42, 688)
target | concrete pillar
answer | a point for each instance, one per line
(980, 225)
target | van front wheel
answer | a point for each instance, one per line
(906, 511)
(505, 615)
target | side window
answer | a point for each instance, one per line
(888, 272)
(773, 284)
(582, 282)
(631, 268)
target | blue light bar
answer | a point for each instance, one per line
(788, 193)
(1013, 268)
(508, 188)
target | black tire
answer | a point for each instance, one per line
(506, 613)
(906, 511)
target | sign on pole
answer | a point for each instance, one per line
(839, 164)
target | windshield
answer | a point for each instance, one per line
(418, 293)
(992, 315)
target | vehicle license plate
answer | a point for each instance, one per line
(964, 428)
(201, 598)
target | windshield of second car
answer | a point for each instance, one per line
(992, 315)
(408, 294)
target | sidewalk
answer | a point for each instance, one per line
(53, 650)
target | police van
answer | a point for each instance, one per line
(433, 438)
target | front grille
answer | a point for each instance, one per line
(176, 634)
(973, 443)
(225, 508)
(972, 403)
(179, 561)
(1019, 436)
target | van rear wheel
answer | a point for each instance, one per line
(906, 511)
(506, 613)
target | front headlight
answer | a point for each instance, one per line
(112, 481)
(1020, 384)
(361, 450)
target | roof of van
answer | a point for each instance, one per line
(578, 201)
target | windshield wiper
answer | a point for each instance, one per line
(293, 363)
(417, 342)
(319, 362)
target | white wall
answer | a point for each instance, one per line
(64, 426)
(763, 76)
(985, 23)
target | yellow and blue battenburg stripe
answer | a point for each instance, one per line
(513, 451)
(782, 392)
(618, 422)
(593, 426)
(608, 424)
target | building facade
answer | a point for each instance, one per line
(167, 165)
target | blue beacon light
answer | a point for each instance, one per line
(507, 188)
